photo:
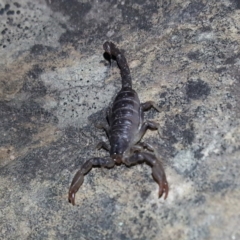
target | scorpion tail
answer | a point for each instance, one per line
(115, 53)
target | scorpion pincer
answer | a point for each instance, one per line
(125, 129)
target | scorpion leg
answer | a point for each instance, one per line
(141, 146)
(147, 105)
(147, 146)
(145, 126)
(158, 172)
(108, 114)
(103, 126)
(86, 167)
(103, 145)
(150, 125)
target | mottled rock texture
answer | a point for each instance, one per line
(55, 85)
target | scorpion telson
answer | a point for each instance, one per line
(125, 130)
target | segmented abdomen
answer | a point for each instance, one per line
(125, 116)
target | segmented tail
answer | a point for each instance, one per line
(113, 51)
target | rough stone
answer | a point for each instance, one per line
(55, 86)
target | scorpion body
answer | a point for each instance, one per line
(126, 127)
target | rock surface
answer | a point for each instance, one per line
(55, 86)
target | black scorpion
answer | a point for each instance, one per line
(125, 130)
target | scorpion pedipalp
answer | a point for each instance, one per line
(86, 167)
(157, 169)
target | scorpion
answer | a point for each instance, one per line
(125, 129)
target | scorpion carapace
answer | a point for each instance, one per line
(125, 129)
